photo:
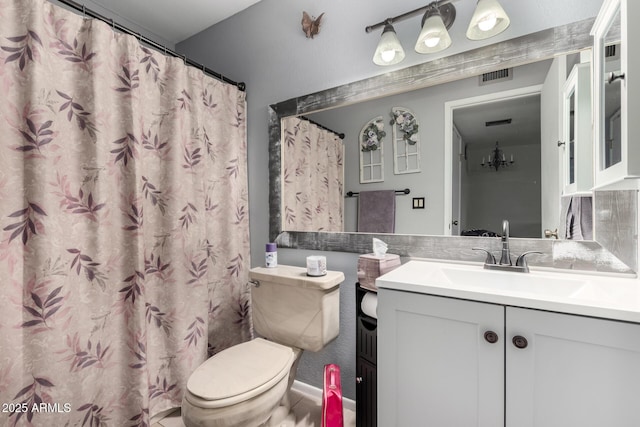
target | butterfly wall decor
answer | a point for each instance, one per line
(311, 26)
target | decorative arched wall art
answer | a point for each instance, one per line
(406, 141)
(371, 151)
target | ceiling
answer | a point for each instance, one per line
(173, 20)
(524, 113)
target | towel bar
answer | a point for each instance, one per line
(398, 192)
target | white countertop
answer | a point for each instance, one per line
(597, 295)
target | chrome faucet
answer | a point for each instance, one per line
(505, 255)
(505, 258)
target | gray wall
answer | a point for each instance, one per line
(512, 193)
(428, 105)
(264, 46)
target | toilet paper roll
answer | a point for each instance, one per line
(316, 265)
(369, 304)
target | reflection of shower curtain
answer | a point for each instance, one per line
(313, 176)
(123, 221)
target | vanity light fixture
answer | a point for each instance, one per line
(434, 36)
(389, 50)
(489, 19)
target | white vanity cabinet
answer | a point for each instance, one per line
(439, 365)
(434, 366)
(574, 371)
(616, 94)
(577, 131)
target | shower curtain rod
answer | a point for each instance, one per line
(340, 135)
(86, 11)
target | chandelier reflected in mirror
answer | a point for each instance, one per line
(497, 159)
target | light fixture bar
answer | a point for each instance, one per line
(412, 13)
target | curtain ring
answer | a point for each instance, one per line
(113, 25)
(84, 12)
(185, 59)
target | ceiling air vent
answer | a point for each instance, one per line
(498, 122)
(496, 76)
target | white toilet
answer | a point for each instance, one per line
(247, 385)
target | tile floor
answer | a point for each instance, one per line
(307, 410)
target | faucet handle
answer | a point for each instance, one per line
(490, 259)
(522, 261)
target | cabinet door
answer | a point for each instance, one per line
(574, 371)
(577, 135)
(366, 394)
(435, 367)
(615, 35)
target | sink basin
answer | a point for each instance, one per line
(505, 281)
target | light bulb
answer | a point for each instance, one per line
(489, 19)
(432, 41)
(487, 22)
(434, 36)
(389, 50)
(388, 55)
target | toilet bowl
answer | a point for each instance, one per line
(240, 386)
(245, 384)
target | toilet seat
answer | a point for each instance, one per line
(239, 373)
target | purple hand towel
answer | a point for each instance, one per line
(377, 211)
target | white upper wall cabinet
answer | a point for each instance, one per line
(616, 94)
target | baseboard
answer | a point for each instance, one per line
(317, 393)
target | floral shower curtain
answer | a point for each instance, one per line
(124, 242)
(313, 177)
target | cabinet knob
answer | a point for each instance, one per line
(358, 380)
(520, 341)
(613, 77)
(491, 337)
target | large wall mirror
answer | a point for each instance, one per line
(453, 82)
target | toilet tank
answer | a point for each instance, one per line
(294, 309)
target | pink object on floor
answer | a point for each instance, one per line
(332, 397)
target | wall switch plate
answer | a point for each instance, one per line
(418, 203)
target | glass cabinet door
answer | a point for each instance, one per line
(612, 91)
(616, 107)
(577, 136)
(571, 138)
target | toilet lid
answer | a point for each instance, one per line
(241, 370)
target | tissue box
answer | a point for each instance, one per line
(370, 267)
